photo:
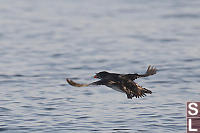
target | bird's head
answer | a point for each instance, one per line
(101, 75)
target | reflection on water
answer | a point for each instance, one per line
(42, 43)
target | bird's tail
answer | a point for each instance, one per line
(143, 90)
(146, 90)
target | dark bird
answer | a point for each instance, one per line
(121, 82)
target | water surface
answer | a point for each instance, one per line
(43, 42)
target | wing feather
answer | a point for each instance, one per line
(72, 83)
(151, 70)
(76, 84)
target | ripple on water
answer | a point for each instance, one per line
(4, 129)
(49, 109)
(3, 109)
(183, 16)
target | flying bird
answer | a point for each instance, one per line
(121, 82)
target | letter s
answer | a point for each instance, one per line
(193, 108)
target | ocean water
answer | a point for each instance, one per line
(44, 42)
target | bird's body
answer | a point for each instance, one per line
(121, 82)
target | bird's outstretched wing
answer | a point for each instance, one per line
(100, 82)
(76, 84)
(151, 70)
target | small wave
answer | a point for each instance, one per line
(83, 117)
(2, 109)
(49, 109)
(192, 60)
(3, 129)
(121, 129)
(186, 15)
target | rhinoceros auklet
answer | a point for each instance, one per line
(121, 82)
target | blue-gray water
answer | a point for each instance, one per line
(43, 42)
